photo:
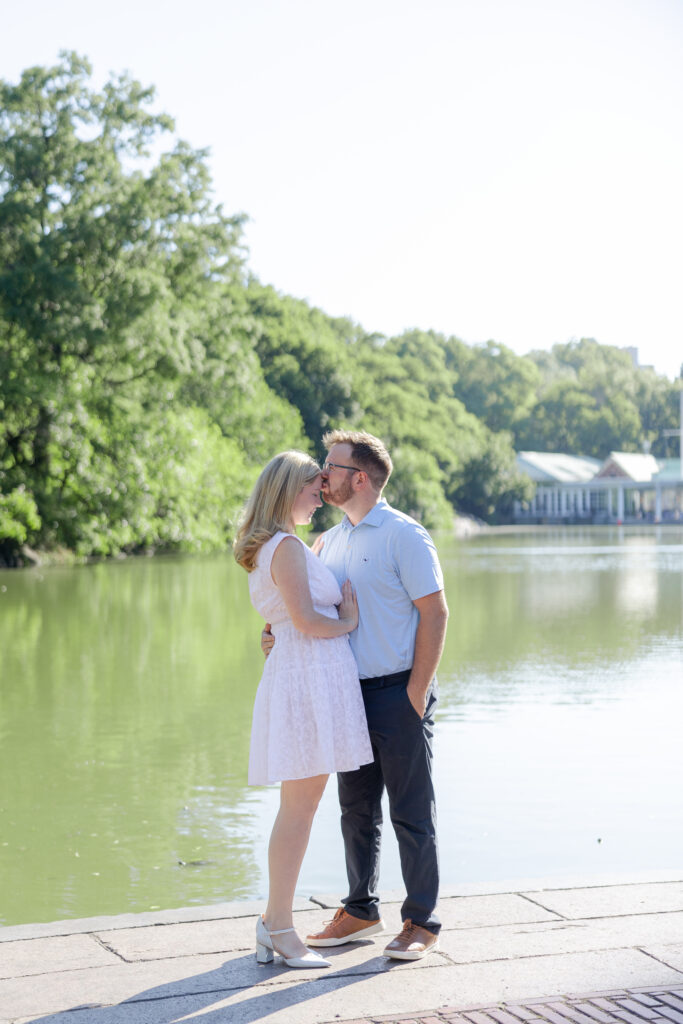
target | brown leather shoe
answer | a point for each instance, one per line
(412, 943)
(344, 927)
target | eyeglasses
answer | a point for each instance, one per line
(337, 465)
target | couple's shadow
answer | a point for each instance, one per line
(195, 994)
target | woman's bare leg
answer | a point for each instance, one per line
(299, 799)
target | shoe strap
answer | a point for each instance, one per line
(281, 931)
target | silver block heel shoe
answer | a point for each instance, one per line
(265, 949)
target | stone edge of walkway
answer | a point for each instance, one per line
(250, 908)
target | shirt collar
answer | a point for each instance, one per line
(373, 518)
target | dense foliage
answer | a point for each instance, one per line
(145, 377)
(132, 402)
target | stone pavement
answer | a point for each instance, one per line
(573, 951)
(637, 1006)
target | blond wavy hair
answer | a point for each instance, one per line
(269, 506)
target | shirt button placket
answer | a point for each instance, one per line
(347, 555)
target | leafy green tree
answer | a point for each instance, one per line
(491, 483)
(18, 517)
(494, 384)
(121, 304)
(145, 377)
(229, 382)
(417, 487)
(587, 403)
(304, 355)
(405, 387)
(659, 406)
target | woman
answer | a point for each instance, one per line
(309, 718)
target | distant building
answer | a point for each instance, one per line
(555, 467)
(632, 465)
(633, 352)
(625, 487)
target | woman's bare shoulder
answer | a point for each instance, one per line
(289, 555)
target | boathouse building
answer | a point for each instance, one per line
(627, 487)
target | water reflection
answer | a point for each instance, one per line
(125, 706)
(125, 710)
(574, 603)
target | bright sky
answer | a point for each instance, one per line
(506, 169)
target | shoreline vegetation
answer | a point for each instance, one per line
(463, 528)
(146, 374)
(26, 557)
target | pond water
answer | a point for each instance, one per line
(125, 704)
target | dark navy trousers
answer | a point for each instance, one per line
(402, 745)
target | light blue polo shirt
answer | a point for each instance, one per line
(391, 561)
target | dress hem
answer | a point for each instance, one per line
(311, 775)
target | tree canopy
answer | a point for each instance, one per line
(146, 376)
(129, 378)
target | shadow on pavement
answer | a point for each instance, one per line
(195, 995)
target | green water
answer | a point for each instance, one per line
(125, 705)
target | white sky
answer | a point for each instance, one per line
(506, 169)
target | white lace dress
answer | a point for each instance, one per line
(309, 717)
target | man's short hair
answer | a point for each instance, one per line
(367, 451)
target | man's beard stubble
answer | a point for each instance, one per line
(339, 497)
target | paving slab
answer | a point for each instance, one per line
(41, 956)
(515, 941)
(347, 995)
(172, 977)
(505, 908)
(611, 901)
(66, 990)
(460, 910)
(671, 953)
(516, 957)
(350, 996)
(178, 940)
(153, 942)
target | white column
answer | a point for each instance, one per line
(620, 504)
(658, 504)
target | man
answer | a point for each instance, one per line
(394, 569)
